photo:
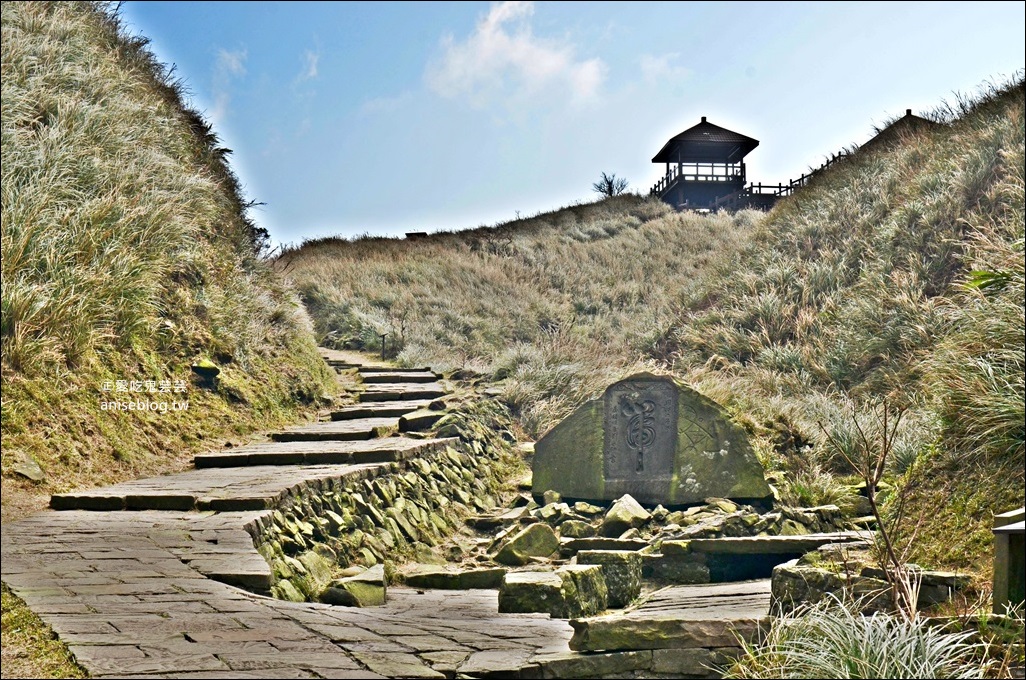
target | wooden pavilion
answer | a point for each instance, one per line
(703, 163)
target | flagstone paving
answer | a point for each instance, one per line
(149, 578)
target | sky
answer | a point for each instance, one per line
(352, 118)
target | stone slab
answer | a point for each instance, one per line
(771, 545)
(385, 449)
(337, 430)
(399, 393)
(380, 409)
(372, 377)
(653, 438)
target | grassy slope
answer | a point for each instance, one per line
(855, 290)
(126, 256)
(558, 304)
(850, 292)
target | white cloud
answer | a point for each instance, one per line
(227, 67)
(663, 68)
(309, 72)
(382, 105)
(503, 60)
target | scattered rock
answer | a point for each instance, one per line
(721, 504)
(552, 512)
(586, 508)
(207, 372)
(576, 529)
(626, 513)
(28, 467)
(621, 570)
(537, 540)
(366, 589)
(419, 421)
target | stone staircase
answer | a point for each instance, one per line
(145, 578)
(162, 577)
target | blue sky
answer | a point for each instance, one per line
(382, 118)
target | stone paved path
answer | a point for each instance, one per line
(147, 578)
(144, 578)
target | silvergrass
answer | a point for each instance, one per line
(831, 639)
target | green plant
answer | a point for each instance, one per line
(831, 639)
(812, 486)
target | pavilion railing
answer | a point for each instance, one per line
(742, 197)
(700, 172)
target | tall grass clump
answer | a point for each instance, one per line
(126, 255)
(833, 640)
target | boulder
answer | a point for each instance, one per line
(584, 590)
(626, 513)
(653, 438)
(571, 591)
(576, 529)
(366, 589)
(621, 570)
(531, 591)
(537, 540)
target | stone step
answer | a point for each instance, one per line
(403, 377)
(226, 489)
(690, 616)
(380, 409)
(772, 545)
(340, 430)
(386, 449)
(423, 391)
(569, 548)
(367, 368)
(253, 485)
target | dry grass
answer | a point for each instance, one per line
(854, 290)
(556, 306)
(29, 647)
(126, 255)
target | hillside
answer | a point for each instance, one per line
(896, 276)
(127, 258)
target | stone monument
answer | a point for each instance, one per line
(653, 438)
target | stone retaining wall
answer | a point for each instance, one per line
(374, 512)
